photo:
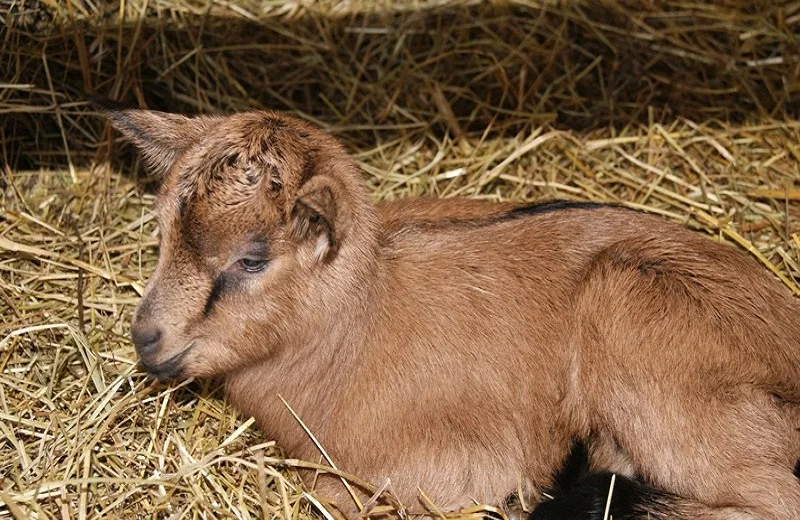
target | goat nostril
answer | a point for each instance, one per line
(145, 339)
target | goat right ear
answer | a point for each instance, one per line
(161, 137)
(319, 215)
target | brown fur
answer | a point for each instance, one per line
(456, 348)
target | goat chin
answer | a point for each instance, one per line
(465, 348)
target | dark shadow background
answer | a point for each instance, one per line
(371, 76)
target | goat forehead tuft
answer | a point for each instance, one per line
(241, 153)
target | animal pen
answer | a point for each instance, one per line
(685, 110)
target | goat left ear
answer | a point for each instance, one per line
(318, 215)
(160, 136)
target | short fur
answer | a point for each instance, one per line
(462, 347)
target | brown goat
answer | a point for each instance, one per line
(461, 347)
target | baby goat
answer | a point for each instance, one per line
(463, 348)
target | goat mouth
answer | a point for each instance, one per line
(169, 369)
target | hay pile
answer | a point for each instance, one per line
(688, 111)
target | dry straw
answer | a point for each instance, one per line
(687, 110)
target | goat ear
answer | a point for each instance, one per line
(317, 216)
(161, 137)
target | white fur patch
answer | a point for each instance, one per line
(321, 249)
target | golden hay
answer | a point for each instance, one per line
(687, 111)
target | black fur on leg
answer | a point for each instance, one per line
(579, 494)
(573, 469)
(630, 500)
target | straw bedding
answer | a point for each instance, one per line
(681, 109)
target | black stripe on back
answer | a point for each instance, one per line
(551, 206)
(537, 208)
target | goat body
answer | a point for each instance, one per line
(462, 347)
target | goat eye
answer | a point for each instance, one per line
(251, 265)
